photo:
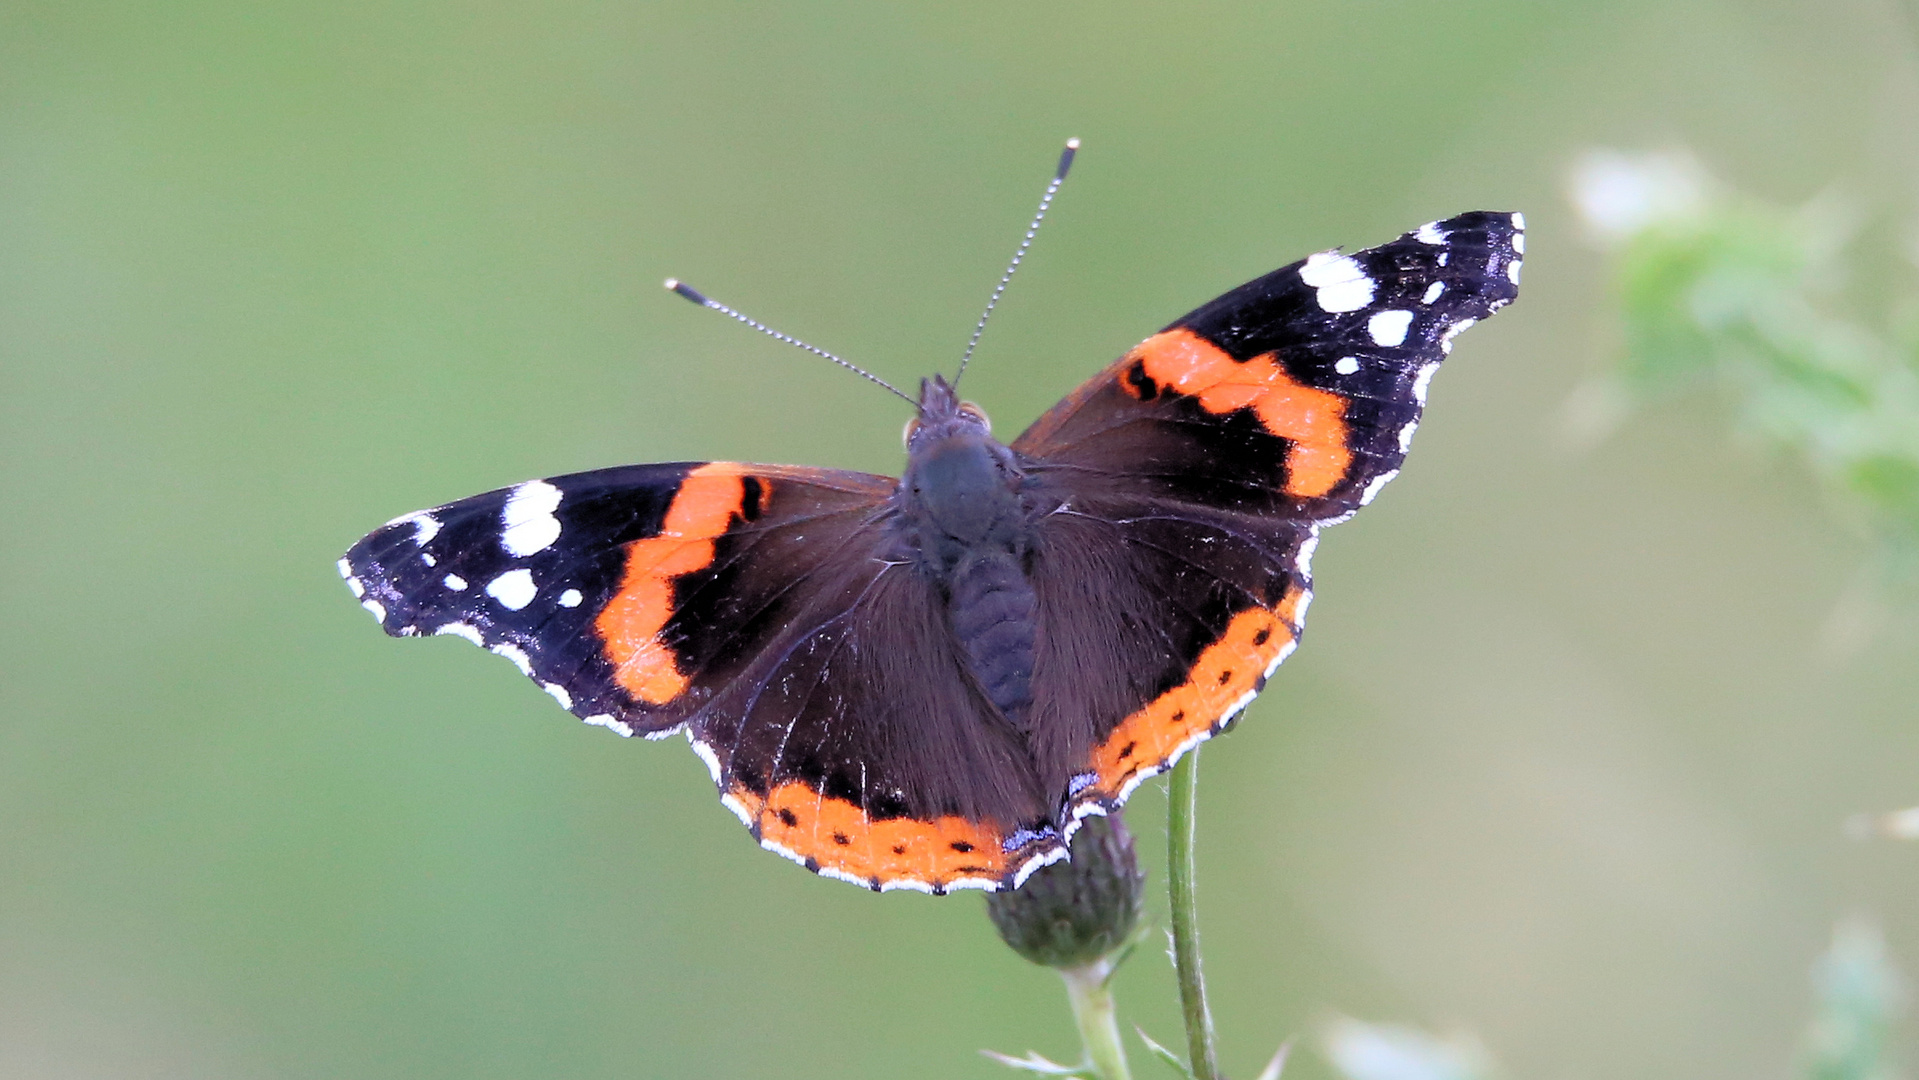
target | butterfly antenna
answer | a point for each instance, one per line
(1046, 200)
(688, 291)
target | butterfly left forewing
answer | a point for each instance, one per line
(588, 582)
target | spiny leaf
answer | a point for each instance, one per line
(1278, 1064)
(1033, 1063)
(1171, 1059)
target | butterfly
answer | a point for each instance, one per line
(928, 682)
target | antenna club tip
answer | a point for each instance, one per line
(675, 285)
(1073, 143)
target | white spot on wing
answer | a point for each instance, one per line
(346, 572)
(1285, 651)
(378, 609)
(1303, 562)
(425, 525)
(454, 582)
(353, 586)
(739, 808)
(906, 883)
(1443, 256)
(981, 883)
(559, 694)
(618, 726)
(706, 754)
(1519, 242)
(1519, 222)
(1446, 339)
(1389, 328)
(1347, 365)
(837, 874)
(571, 598)
(780, 849)
(515, 654)
(1372, 489)
(1431, 233)
(1406, 435)
(1032, 865)
(527, 524)
(513, 589)
(1341, 283)
(1424, 380)
(1432, 292)
(1512, 271)
(465, 630)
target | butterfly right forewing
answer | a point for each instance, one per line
(1192, 477)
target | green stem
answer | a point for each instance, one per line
(1092, 997)
(1181, 821)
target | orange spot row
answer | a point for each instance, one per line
(1312, 420)
(1225, 671)
(702, 510)
(840, 837)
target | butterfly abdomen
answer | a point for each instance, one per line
(994, 616)
(971, 529)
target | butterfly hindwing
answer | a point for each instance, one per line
(855, 741)
(1204, 462)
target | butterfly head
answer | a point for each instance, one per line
(942, 416)
(960, 488)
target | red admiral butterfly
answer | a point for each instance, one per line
(927, 682)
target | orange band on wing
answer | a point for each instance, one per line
(838, 836)
(1225, 672)
(703, 509)
(1313, 420)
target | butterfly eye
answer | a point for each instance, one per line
(912, 428)
(977, 413)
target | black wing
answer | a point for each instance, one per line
(762, 611)
(1193, 475)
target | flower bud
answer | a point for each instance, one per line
(1076, 911)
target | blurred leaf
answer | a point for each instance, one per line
(1716, 289)
(1859, 994)
(1362, 1051)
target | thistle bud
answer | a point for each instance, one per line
(1076, 911)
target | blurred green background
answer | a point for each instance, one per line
(1563, 761)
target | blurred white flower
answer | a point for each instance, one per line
(1895, 824)
(1620, 194)
(1362, 1051)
